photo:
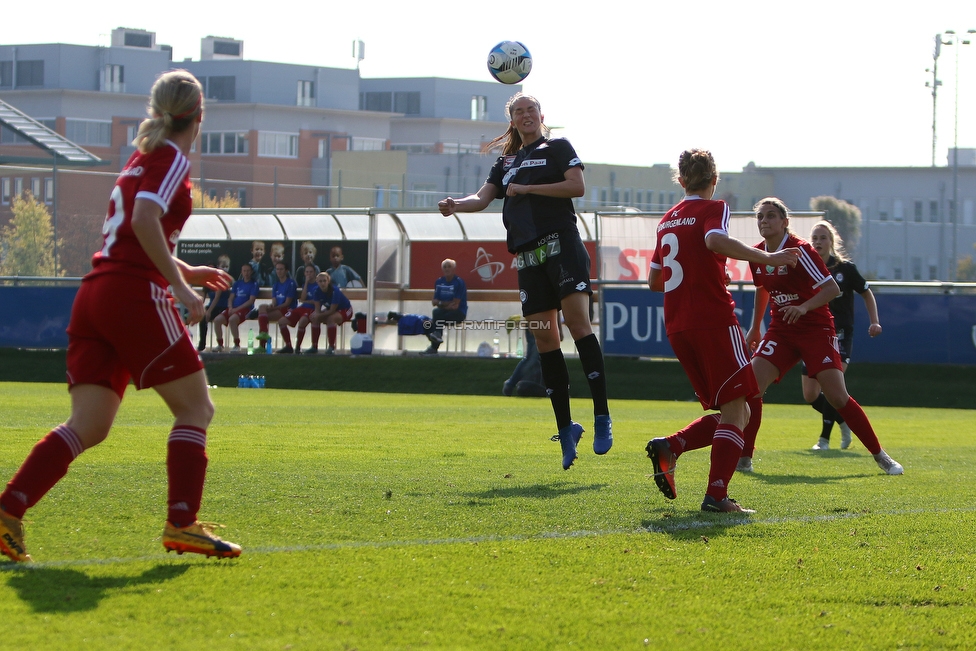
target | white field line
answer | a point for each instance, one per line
(731, 520)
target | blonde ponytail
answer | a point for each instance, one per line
(175, 104)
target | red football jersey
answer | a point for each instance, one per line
(794, 285)
(695, 295)
(162, 176)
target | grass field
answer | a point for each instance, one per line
(389, 521)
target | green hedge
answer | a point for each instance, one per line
(628, 379)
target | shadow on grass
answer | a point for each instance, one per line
(537, 491)
(64, 590)
(695, 525)
(813, 480)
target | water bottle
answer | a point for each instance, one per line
(260, 381)
(267, 347)
(241, 382)
(519, 352)
(495, 348)
(250, 342)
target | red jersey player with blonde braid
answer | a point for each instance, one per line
(688, 265)
(801, 328)
(131, 274)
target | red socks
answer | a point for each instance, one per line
(46, 464)
(285, 335)
(186, 468)
(331, 334)
(726, 448)
(262, 323)
(752, 427)
(316, 333)
(858, 421)
(698, 434)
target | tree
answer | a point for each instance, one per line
(28, 240)
(966, 268)
(845, 217)
(201, 200)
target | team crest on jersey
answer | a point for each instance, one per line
(840, 277)
(769, 269)
(508, 161)
(522, 295)
(781, 271)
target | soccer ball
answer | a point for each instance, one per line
(509, 62)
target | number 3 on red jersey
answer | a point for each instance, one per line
(670, 240)
(114, 219)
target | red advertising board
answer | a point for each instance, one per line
(482, 265)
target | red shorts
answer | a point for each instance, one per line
(716, 362)
(786, 345)
(346, 315)
(241, 313)
(126, 327)
(295, 314)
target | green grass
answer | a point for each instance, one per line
(388, 521)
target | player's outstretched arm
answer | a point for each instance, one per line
(872, 307)
(472, 203)
(723, 244)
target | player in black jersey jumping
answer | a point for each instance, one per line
(828, 244)
(539, 177)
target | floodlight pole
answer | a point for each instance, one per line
(954, 39)
(934, 85)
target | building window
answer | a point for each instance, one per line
(967, 212)
(89, 132)
(394, 196)
(6, 74)
(227, 48)
(306, 93)
(48, 190)
(277, 145)
(368, 144)
(35, 188)
(4, 191)
(898, 211)
(425, 195)
(18, 188)
(916, 268)
(221, 88)
(479, 107)
(380, 197)
(933, 211)
(224, 142)
(376, 102)
(242, 197)
(138, 39)
(30, 73)
(408, 103)
(918, 211)
(130, 133)
(321, 201)
(112, 78)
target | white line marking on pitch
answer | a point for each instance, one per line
(718, 521)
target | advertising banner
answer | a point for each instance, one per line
(481, 265)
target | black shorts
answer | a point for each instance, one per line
(565, 270)
(845, 345)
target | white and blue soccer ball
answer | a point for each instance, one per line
(509, 62)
